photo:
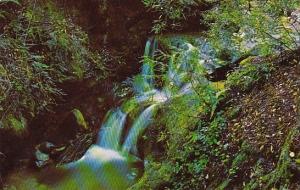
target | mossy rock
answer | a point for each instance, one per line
(130, 106)
(18, 125)
(219, 86)
(80, 119)
(247, 75)
(247, 61)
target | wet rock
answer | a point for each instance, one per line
(42, 159)
(45, 153)
(12, 147)
(2, 158)
(42, 154)
(46, 147)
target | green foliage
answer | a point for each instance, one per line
(247, 75)
(251, 26)
(190, 142)
(192, 129)
(18, 125)
(39, 49)
(238, 160)
(190, 151)
(171, 13)
(155, 173)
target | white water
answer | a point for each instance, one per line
(98, 169)
(146, 81)
(110, 132)
(140, 124)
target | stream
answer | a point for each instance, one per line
(114, 162)
(110, 165)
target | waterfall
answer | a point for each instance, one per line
(145, 81)
(110, 133)
(107, 164)
(104, 166)
(138, 127)
(150, 47)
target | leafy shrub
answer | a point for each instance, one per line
(39, 49)
(188, 126)
(192, 138)
(243, 27)
(190, 141)
(171, 13)
(246, 76)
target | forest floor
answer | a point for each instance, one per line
(265, 118)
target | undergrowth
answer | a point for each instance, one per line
(39, 49)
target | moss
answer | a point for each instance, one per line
(219, 86)
(80, 119)
(18, 125)
(130, 106)
(3, 71)
(223, 185)
(155, 175)
(248, 75)
(247, 61)
(232, 112)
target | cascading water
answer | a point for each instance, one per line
(138, 127)
(147, 68)
(107, 165)
(111, 130)
(145, 81)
